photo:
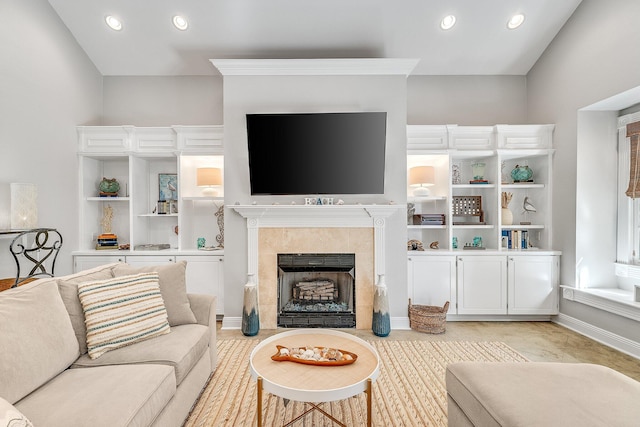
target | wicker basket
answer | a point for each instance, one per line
(427, 318)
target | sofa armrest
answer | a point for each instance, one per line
(204, 308)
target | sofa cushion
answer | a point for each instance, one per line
(11, 417)
(570, 394)
(36, 338)
(122, 311)
(173, 286)
(181, 349)
(104, 396)
(68, 286)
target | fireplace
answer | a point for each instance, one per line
(316, 290)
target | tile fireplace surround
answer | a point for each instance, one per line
(274, 229)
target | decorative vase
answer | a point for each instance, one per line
(522, 174)
(381, 324)
(109, 187)
(250, 314)
(507, 216)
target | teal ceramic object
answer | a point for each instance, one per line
(109, 185)
(521, 174)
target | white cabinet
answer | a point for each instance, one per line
(458, 154)
(433, 280)
(533, 284)
(137, 157)
(204, 274)
(472, 169)
(482, 284)
(144, 260)
(81, 263)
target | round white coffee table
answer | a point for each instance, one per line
(314, 384)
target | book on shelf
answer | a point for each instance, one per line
(515, 239)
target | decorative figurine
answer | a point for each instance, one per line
(220, 219)
(107, 219)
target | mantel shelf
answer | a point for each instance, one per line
(316, 216)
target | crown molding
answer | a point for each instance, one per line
(315, 67)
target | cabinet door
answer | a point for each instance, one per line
(533, 284)
(432, 280)
(205, 275)
(81, 262)
(142, 260)
(482, 284)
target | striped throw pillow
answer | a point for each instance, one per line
(122, 311)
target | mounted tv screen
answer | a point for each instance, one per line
(317, 153)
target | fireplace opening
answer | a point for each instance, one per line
(316, 290)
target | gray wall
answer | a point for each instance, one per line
(467, 100)
(48, 86)
(163, 101)
(594, 57)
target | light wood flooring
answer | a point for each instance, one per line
(538, 341)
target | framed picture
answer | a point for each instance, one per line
(167, 186)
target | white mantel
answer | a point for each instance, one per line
(326, 216)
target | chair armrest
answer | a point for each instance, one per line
(204, 308)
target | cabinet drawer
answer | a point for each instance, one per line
(104, 139)
(155, 139)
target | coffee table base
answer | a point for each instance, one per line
(315, 407)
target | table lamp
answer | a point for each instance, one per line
(421, 177)
(209, 179)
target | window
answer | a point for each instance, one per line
(628, 245)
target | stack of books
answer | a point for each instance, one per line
(428, 219)
(478, 181)
(107, 241)
(515, 239)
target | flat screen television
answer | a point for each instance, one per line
(317, 153)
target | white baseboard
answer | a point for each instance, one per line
(625, 345)
(400, 323)
(397, 323)
(231, 322)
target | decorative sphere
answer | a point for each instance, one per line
(521, 174)
(109, 185)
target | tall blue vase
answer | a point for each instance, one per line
(381, 323)
(250, 313)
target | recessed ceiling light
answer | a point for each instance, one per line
(113, 22)
(515, 21)
(448, 22)
(180, 22)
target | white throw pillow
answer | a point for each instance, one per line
(11, 417)
(122, 311)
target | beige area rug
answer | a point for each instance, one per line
(410, 390)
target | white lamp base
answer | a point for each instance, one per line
(209, 191)
(421, 192)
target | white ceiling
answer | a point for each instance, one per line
(149, 45)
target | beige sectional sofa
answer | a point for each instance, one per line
(540, 394)
(48, 378)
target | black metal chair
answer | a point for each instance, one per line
(35, 250)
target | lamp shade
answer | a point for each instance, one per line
(24, 206)
(421, 177)
(209, 177)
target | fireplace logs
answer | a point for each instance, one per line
(317, 290)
